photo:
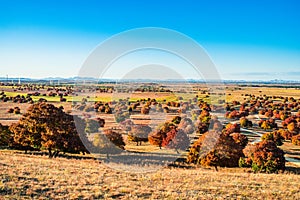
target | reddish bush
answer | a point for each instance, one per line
(264, 156)
(235, 114)
(215, 148)
(288, 120)
(240, 139)
(176, 139)
(145, 110)
(156, 138)
(232, 128)
(115, 137)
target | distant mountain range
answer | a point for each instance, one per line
(77, 79)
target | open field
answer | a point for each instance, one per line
(28, 176)
(234, 92)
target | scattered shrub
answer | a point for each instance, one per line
(264, 156)
(296, 140)
(115, 137)
(244, 122)
(273, 136)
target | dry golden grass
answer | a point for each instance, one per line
(235, 92)
(27, 176)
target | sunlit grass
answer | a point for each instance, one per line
(27, 176)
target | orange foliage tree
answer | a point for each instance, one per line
(264, 156)
(45, 126)
(216, 148)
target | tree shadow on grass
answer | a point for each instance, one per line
(293, 170)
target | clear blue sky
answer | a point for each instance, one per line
(246, 39)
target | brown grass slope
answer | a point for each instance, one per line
(27, 176)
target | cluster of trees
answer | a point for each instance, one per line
(102, 107)
(292, 124)
(17, 99)
(275, 108)
(234, 114)
(105, 89)
(27, 98)
(275, 136)
(229, 148)
(225, 146)
(15, 110)
(97, 107)
(23, 87)
(267, 124)
(46, 127)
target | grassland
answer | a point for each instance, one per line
(29, 176)
(234, 92)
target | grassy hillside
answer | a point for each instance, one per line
(26, 176)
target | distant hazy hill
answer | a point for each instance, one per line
(91, 79)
